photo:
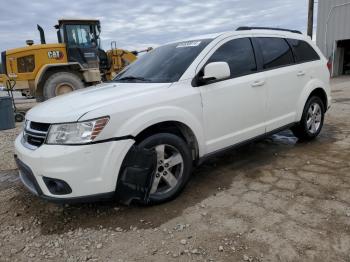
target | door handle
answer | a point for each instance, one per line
(258, 83)
(301, 73)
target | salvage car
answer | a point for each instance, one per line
(139, 136)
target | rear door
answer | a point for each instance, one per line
(307, 61)
(234, 109)
(283, 88)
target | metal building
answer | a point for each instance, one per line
(333, 33)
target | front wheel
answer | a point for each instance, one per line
(311, 121)
(173, 169)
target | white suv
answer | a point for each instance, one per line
(138, 137)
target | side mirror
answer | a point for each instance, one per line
(216, 71)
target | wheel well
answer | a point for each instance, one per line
(172, 127)
(52, 70)
(319, 92)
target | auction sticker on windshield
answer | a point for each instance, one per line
(188, 44)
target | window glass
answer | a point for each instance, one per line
(303, 52)
(80, 35)
(275, 51)
(239, 55)
(163, 64)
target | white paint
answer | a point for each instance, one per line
(220, 114)
(217, 71)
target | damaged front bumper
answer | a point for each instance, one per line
(87, 173)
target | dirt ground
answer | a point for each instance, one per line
(275, 200)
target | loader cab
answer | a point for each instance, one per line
(82, 39)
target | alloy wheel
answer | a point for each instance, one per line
(314, 118)
(169, 170)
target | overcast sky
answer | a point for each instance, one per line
(138, 24)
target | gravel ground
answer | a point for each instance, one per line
(275, 200)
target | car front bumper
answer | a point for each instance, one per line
(91, 171)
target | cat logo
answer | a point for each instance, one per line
(58, 55)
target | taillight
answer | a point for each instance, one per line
(329, 65)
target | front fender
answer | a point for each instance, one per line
(147, 118)
(46, 67)
(311, 86)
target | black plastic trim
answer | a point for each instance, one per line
(28, 175)
(244, 28)
(84, 199)
(258, 54)
(98, 141)
(112, 139)
(64, 191)
(136, 175)
(291, 49)
(243, 143)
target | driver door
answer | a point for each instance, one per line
(234, 109)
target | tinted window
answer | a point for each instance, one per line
(275, 51)
(303, 52)
(238, 54)
(164, 64)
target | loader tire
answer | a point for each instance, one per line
(61, 83)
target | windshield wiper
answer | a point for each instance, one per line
(125, 78)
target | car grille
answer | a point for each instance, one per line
(34, 134)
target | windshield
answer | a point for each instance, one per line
(164, 64)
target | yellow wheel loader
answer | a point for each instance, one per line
(76, 61)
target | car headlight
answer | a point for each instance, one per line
(76, 133)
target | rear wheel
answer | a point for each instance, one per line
(61, 83)
(311, 121)
(174, 166)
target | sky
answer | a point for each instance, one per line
(136, 24)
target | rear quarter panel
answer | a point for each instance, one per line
(319, 77)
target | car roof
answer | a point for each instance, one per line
(250, 32)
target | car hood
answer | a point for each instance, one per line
(70, 107)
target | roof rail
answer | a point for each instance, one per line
(243, 28)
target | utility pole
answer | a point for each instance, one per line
(310, 18)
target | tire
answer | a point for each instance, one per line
(311, 121)
(39, 99)
(167, 188)
(19, 117)
(61, 83)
